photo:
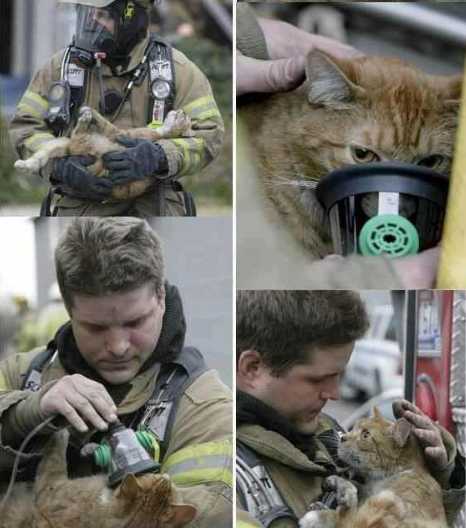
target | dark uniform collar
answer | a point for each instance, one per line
(135, 60)
(250, 410)
(319, 447)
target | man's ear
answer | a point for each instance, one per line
(249, 368)
(161, 297)
(451, 91)
(400, 431)
(328, 82)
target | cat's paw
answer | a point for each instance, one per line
(85, 118)
(346, 492)
(318, 519)
(176, 124)
(33, 164)
(25, 166)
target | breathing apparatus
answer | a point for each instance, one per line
(106, 32)
(109, 27)
(386, 208)
(124, 451)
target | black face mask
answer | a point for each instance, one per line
(390, 209)
(132, 31)
(130, 23)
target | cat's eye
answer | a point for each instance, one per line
(434, 161)
(365, 434)
(363, 155)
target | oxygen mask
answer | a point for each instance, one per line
(124, 451)
(388, 208)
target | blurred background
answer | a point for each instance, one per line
(415, 349)
(198, 260)
(431, 35)
(202, 29)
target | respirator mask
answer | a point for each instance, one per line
(384, 208)
(112, 31)
(123, 452)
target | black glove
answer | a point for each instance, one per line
(141, 158)
(72, 174)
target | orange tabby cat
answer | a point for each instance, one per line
(347, 112)
(398, 490)
(146, 501)
(95, 136)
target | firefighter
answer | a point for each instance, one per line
(133, 79)
(122, 356)
(292, 348)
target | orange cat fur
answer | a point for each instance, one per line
(398, 489)
(145, 501)
(95, 136)
(348, 111)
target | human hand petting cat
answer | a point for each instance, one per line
(429, 436)
(81, 401)
(287, 46)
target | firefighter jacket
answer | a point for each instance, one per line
(193, 94)
(298, 479)
(197, 455)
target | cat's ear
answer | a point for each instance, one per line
(377, 414)
(400, 431)
(452, 91)
(328, 82)
(129, 488)
(178, 515)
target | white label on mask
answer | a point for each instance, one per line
(388, 203)
(75, 76)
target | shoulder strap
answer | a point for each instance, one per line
(173, 379)
(161, 78)
(33, 377)
(256, 489)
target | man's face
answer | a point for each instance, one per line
(116, 333)
(301, 392)
(104, 18)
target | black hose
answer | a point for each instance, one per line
(19, 453)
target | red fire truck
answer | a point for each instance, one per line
(435, 353)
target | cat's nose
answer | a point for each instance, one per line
(343, 438)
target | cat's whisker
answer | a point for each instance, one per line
(301, 184)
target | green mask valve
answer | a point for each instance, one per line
(390, 235)
(103, 454)
(385, 208)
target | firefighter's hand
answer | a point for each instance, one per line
(268, 76)
(287, 46)
(140, 159)
(71, 173)
(429, 436)
(81, 401)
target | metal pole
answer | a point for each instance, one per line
(418, 17)
(410, 345)
(221, 17)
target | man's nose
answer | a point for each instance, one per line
(116, 341)
(331, 391)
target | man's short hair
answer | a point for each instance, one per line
(281, 325)
(98, 256)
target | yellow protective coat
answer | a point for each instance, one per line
(186, 156)
(198, 456)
